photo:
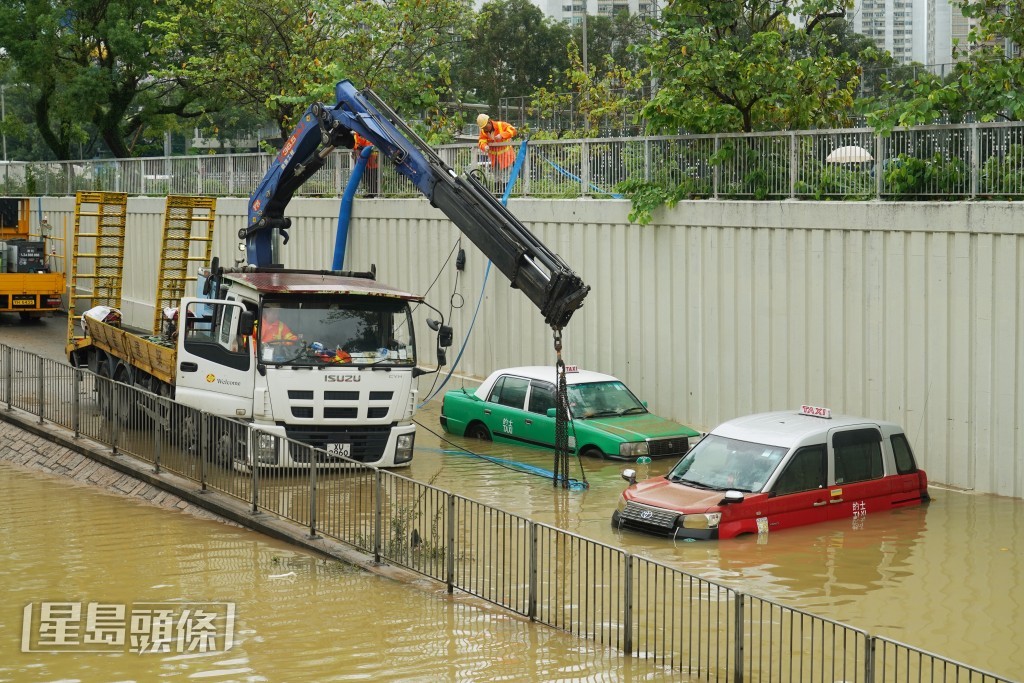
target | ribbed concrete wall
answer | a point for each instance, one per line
(910, 312)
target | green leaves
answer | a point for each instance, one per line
(733, 66)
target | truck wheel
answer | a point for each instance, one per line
(127, 407)
(105, 391)
(27, 317)
(478, 430)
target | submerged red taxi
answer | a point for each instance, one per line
(776, 470)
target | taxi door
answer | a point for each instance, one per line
(799, 495)
(857, 473)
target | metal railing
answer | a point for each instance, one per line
(974, 161)
(598, 592)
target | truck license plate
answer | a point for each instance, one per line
(339, 450)
(24, 301)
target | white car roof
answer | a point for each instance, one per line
(546, 373)
(789, 428)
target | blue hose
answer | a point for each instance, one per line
(345, 212)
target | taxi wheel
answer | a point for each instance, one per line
(478, 430)
(594, 453)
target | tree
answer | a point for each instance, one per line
(513, 51)
(273, 60)
(988, 84)
(735, 65)
(88, 67)
(612, 37)
(594, 97)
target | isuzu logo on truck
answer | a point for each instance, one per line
(342, 378)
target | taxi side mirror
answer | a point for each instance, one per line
(550, 412)
(629, 475)
(731, 497)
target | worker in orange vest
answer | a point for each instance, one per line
(273, 328)
(370, 173)
(493, 135)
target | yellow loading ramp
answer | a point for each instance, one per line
(97, 256)
(187, 244)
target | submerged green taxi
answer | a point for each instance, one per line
(607, 419)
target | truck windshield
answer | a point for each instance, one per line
(350, 331)
(602, 399)
(721, 463)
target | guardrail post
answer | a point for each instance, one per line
(975, 158)
(450, 559)
(158, 432)
(42, 388)
(879, 165)
(738, 616)
(312, 492)
(531, 608)
(869, 659)
(627, 601)
(794, 171)
(201, 446)
(76, 406)
(254, 437)
(377, 514)
(9, 375)
(115, 412)
(584, 168)
(715, 168)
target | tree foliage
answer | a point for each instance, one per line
(87, 68)
(742, 65)
(272, 60)
(988, 84)
(595, 96)
(513, 50)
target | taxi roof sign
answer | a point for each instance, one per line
(572, 368)
(815, 411)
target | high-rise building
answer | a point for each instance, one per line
(912, 30)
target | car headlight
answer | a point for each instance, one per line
(706, 520)
(403, 448)
(266, 449)
(634, 449)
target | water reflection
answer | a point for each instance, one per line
(299, 617)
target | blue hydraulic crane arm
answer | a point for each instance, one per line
(528, 264)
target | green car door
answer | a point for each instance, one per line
(517, 411)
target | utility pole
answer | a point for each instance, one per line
(3, 117)
(585, 69)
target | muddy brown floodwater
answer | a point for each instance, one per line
(947, 577)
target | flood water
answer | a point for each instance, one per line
(947, 577)
(297, 617)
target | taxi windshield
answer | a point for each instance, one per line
(602, 399)
(720, 463)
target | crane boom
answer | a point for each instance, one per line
(527, 263)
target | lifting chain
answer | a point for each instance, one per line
(562, 454)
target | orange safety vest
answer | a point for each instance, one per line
(363, 142)
(502, 156)
(277, 332)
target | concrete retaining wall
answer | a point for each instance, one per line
(909, 312)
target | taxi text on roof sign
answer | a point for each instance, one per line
(572, 368)
(815, 411)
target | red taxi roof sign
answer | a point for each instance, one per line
(815, 411)
(572, 368)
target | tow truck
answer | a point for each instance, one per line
(343, 377)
